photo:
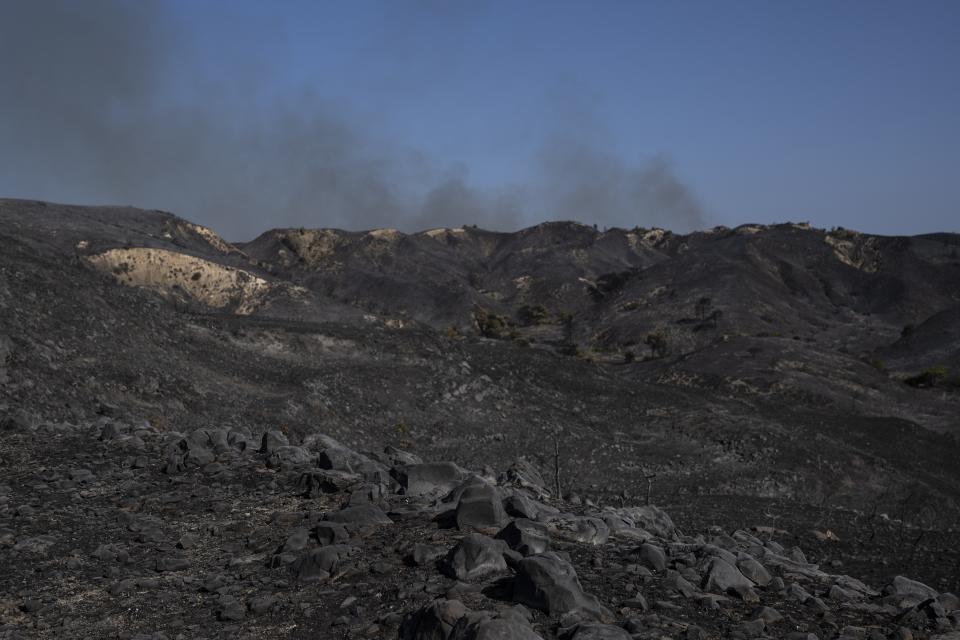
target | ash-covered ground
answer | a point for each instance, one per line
(329, 434)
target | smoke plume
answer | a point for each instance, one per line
(94, 109)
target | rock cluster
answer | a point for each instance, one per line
(159, 534)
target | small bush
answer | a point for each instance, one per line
(531, 315)
(928, 377)
(659, 347)
(490, 324)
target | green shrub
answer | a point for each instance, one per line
(928, 377)
(531, 315)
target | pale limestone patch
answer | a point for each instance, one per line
(173, 273)
(852, 249)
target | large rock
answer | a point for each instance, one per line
(272, 440)
(475, 556)
(722, 577)
(319, 564)
(316, 482)
(907, 592)
(470, 628)
(753, 570)
(525, 475)
(430, 478)
(480, 509)
(393, 457)
(526, 536)
(653, 557)
(586, 530)
(434, 621)
(289, 457)
(681, 585)
(521, 506)
(595, 631)
(451, 620)
(361, 516)
(341, 458)
(648, 518)
(549, 583)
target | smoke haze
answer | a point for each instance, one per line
(99, 106)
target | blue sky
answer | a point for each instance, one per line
(840, 113)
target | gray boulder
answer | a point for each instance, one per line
(483, 628)
(521, 506)
(907, 592)
(722, 577)
(475, 556)
(524, 474)
(319, 564)
(273, 440)
(549, 583)
(526, 536)
(430, 478)
(289, 457)
(329, 532)
(434, 621)
(595, 631)
(648, 518)
(480, 509)
(753, 570)
(316, 482)
(341, 458)
(653, 557)
(361, 516)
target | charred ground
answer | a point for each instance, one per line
(807, 380)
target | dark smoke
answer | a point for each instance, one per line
(89, 113)
(581, 181)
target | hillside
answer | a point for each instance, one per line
(143, 358)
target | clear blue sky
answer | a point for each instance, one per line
(840, 113)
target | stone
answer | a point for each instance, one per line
(289, 457)
(340, 458)
(653, 557)
(678, 583)
(172, 563)
(328, 532)
(648, 518)
(753, 570)
(475, 556)
(749, 629)
(434, 621)
(723, 578)
(394, 457)
(316, 482)
(909, 592)
(483, 628)
(588, 530)
(229, 608)
(423, 555)
(273, 440)
(525, 536)
(319, 564)
(296, 541)
(430, 478)
(480, 509)
(521, 506)
(595, 631)
(767, 614)
(522, 473)
(261, 604)
(550, 583)
(361, 516)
